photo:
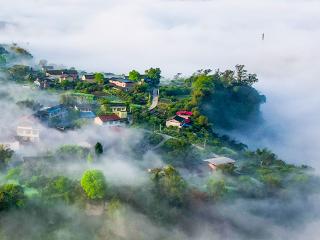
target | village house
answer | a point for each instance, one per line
(61, 75)
(27, 131)
(181, 119)
(90, 78)
(110, 120)
(120, 109)
(184, 114)
(121, 83)
(214, 163)
(46, 114)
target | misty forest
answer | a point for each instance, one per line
(98, 155)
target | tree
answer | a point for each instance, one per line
(94, 184)
(11, 195)
(59, 187)
(5, 156)
(154, 74)
(99, 78)
(169, 184)
(216, 188)
(98, 148)
(134, 75)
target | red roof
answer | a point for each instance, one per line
(109, 118)
(184, 113)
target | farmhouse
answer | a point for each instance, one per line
(90, 78)
(184, 114)
(121, 83)
(178, 121)
(59, 111)
(110, 120)
(120, 109)
(215, 162)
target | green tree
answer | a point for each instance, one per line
(154, 74)
(11, 196)
(5, 156)
(98, 148)
(99, 78)
(94, 184)
(169, 184)
(134, 75)
(216, 188)
(59, 187)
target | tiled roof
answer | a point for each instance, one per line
(60, 72)
(184, 113)
(109, 118)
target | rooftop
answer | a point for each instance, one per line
(184, 113)
(219, 160)
(121, 80)
(60, 72)
(109, 118)
(89, 76)
(117, 104)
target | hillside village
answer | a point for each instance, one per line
(181, 121)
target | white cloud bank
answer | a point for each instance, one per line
(183, 36)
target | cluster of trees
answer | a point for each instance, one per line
(11, 196)
(169, 185)
(5, 157)
(227, 98)
(152, 76)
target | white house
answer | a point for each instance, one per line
(28, 133)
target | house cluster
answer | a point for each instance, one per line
(180, 120)
(62, 75)
(52, 75)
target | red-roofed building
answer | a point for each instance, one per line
(111, 120)
(184, 114)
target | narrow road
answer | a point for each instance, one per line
(155, 99)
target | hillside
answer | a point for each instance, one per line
(94, 161)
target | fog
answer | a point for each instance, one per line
(180, 36)
(183, 36)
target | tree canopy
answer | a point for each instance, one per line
(99, 78)
(134, 75)
(94, 184)
(11, 195)
(154, 74)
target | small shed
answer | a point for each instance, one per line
(215, 162)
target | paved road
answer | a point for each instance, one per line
(155, 99)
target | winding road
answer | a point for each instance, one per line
(155, 99)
